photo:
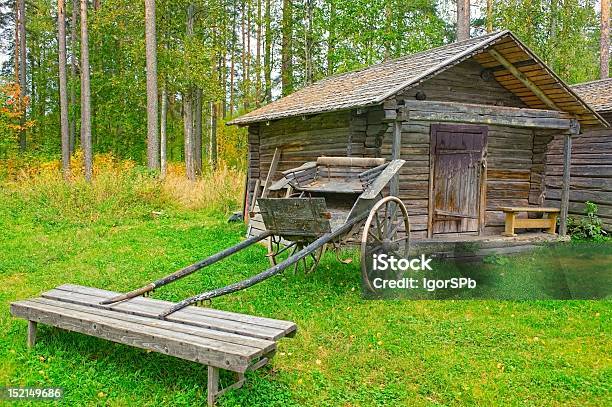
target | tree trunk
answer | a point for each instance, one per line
(188, 109)
(22, 73)
(331, 41)
(243, 52)
(286, 50)
(388, 28)
(308, 43)
(73, 75)
(258, 56)
(213, 136)
(188, 131)
(163, 141)
(16, 55)
(463, 20)
(197, 132)
(85, 96)
(268, 53)
(151, 62)
(232, 61)
(247, 71)
(490, 16)
(604, 43)
(63, 86)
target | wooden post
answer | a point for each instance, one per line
(396, 149)
(565, 191)
(213, 385)
(509, 224)
(567, 163)
(31, 334)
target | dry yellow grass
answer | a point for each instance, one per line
(218, 190)
(223, 186)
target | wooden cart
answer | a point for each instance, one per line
(328, 201)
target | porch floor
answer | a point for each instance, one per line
(479, 246)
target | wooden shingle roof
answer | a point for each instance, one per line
(598, 94)
(373, 85)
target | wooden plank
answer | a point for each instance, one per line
(55, 297)
(470, 113)
(295, 216)
(532, 223)
(176, 344)
(535, 209)
(241, 324)
(215, 313)
(271, 172)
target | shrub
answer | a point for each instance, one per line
(588, 227)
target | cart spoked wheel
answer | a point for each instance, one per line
(280, 252)
(386, 230)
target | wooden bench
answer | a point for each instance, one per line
(218, 339)
(549, 221)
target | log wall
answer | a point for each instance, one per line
(591, 172)
(516, 156)
(510, 149)
(509, 172)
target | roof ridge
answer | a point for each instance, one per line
(400, 58)
(590, 82)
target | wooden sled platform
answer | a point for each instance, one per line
(218, 339)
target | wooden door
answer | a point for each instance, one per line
(458, 155)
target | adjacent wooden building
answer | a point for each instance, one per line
(591, 172)
(473, 120)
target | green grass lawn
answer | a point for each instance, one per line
(348, 351)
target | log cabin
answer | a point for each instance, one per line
(473, 120)
(591, 171)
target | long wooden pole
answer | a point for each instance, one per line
(246, 283)
(523, 78)
(187, 270)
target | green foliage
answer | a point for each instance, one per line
(588, 227)
(330, 36)
(565, 34)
